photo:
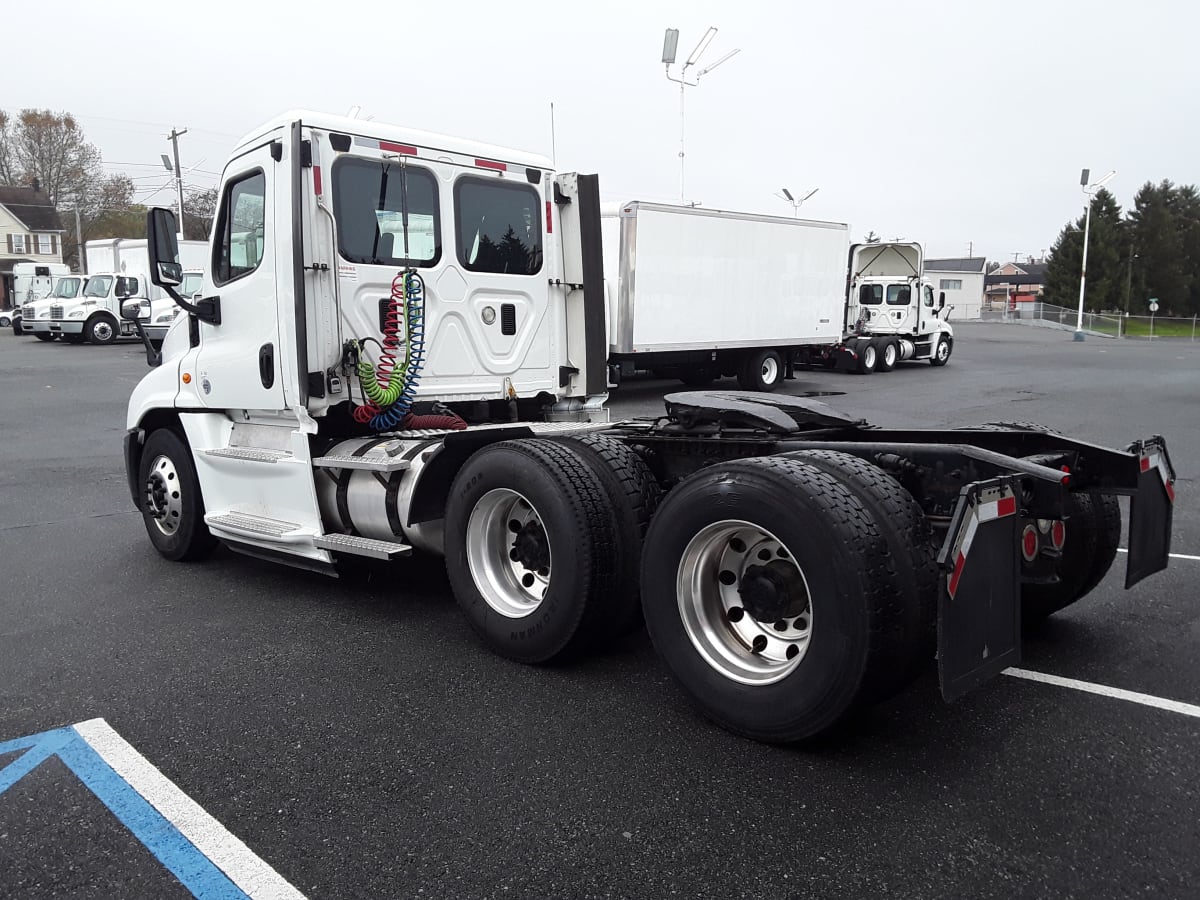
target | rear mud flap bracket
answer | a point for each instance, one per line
(979, 596)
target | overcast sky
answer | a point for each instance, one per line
(942, 122)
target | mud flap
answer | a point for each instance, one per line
(979, 602)
(1150, 511)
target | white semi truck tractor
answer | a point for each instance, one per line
(400, 347)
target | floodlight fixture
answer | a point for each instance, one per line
(727, 56)
(1089, 191)
(788, 194)
(702, 46)
(670, 45)
(166, 161)
(1084, 176)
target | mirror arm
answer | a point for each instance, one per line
(206, 309)
(153, 357)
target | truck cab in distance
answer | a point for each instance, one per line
(35, 316)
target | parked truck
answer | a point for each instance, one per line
(120, 269)
(698, 293)
(34, 316)
(400, 347)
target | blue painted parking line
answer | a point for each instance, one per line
(208, 860)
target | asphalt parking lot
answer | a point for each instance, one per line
(358, 739)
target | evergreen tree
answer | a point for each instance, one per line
(1163, 268)
(1105, 288)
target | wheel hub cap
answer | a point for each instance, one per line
(773, 592)
(164, 495)
(508, 552)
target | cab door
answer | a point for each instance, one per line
(237, 362)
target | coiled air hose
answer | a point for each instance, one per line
(391, 390)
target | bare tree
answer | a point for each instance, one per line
(51, 147)
(8, 165)
(199, 207)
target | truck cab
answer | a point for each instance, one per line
(96, 315)
(887, 295)
(35, 315)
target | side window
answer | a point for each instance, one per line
(387, 213)
(870, 294)
(898, 295)
(127, 286)
(498, 226)
(240, 228)
(928, 296)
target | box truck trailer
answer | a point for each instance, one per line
(410, 355)
(698, 293)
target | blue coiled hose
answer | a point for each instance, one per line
(414, 312)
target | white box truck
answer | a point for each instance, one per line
(346, 388)
(698, 293)
(119, 269)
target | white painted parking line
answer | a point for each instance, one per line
(1186, 709)
(243, 867)
(1172, 555)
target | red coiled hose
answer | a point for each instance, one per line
(387, 354)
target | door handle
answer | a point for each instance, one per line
(266, 364)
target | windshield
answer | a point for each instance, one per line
(191, 283)
(67, 288)
(98, 286)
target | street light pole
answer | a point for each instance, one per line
(1089, 190)
(796, 204)
(670, 45)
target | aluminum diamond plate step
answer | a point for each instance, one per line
(254, 454)
(254, 526)
(369, 463)
(361, 546)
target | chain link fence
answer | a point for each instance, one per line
(1114, 325)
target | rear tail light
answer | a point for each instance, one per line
(1058, 534)
(1029, 543)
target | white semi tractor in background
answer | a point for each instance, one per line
(699, 293)
(119, 270)
(401, 346)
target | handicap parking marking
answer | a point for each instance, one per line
(197, 849)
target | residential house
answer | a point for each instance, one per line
(30, 231)
(962, 281)
(1015, 282)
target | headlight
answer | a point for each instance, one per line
(163, 318)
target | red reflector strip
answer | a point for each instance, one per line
(397, 148)
(488, 164)
(952, 585)
(1006, 507)
(1170, 490)
(317, 180)
(1145, 464)
(549, 221)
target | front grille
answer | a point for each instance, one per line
(56, 312)
(27, 311)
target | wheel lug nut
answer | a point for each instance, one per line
(735, 614)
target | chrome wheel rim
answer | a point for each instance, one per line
(770, 370)
(102, 331)
(508, 552)
(164, 495)
(943, 350)
(869, 357)
(889, 355)
(744, 602)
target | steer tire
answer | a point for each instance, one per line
(911, 546)
(942, 348)
(633, 494)
(761, 370)
(167, 472)
(101, 330)
(855, 625)
(72, 338)
(573, 524)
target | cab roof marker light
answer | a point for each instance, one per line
(490, 164)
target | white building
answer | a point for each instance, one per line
(30, 232)
(962, 280)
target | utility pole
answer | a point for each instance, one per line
(83, 259)
(174, 137)
(1129, 277)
